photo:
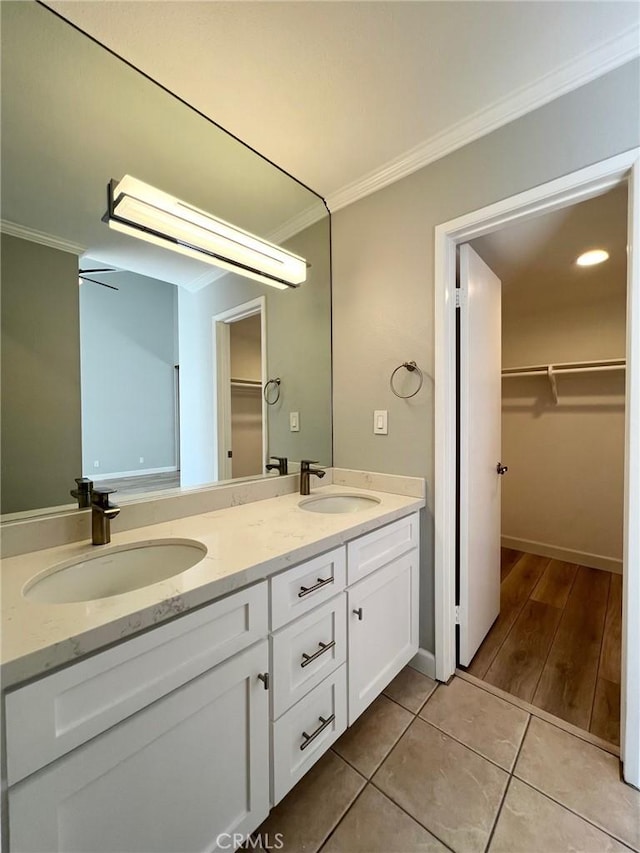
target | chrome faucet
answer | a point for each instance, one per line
(305, 473)
(281, 465)
(82, 492)
(102, 511)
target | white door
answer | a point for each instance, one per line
(480, 417)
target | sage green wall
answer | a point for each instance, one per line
(41, 441)
(383, 292)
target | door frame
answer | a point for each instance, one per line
(562, 192)
(222, 377)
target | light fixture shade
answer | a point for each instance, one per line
(145, 212)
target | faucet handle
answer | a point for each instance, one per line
(305, 463)
(82, 492)
(100, 497)
(282, 465)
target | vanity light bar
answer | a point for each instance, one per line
(142, 211)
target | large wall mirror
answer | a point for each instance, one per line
(122, 361)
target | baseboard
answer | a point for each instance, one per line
(139, 472)
(424, 662)
(543, 549)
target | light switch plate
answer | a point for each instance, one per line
(294, 422)
(380, 422)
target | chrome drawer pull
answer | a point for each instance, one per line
(324, 647)
(305, 590)
(323, 725)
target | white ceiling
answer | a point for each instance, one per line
(540, 253)
(348, 96)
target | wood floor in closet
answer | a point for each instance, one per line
(556, 643)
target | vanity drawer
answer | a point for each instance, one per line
(306, 651)
(51, 716)
(302, 735)
(301, 588)
(375, 549)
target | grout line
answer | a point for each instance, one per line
(413, 818)
(608, 832)
(343, 816)
(465, 745)
(541, 714)
(404, 707)
(519, 750)
(498, 813)
(508, 785)
(384, 758)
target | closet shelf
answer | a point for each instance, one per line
(551, 371)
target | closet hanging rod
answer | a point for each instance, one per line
(566, 367)
(247, 383)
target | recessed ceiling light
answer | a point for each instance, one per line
(595, 256)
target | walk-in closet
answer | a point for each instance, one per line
(556, 641)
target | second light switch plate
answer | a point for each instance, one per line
(380, 422)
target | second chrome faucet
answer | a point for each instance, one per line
(306, 471)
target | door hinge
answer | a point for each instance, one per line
(459, 297)
(457, 614)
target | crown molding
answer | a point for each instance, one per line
(25, 233)
(580, 71)
(201, 281)
(298, 223)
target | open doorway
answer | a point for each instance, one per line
(554, 195)
(556, 641)
(240, 347)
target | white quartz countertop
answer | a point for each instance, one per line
(244, 544)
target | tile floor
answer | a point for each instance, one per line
(454, 767)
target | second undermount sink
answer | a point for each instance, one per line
(112, 572)
(338, 503)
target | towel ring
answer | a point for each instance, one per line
(272, 383)
(412, 367)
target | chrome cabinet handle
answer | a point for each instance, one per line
(324, 647)
(323, 725)
(306, 590)
(358, 613)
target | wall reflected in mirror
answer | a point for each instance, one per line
(151, 371)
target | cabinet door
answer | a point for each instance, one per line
(184, 774)
(383, 629)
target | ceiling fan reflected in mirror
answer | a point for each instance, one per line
(85, 275)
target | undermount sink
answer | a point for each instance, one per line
(120, 569)
(338, 503)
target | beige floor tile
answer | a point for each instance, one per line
(376, 825)
(369, 740)
(582, 777)
(450, 790)
(530, 823)
(411, 689)
(312, 809)
(491, 726)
